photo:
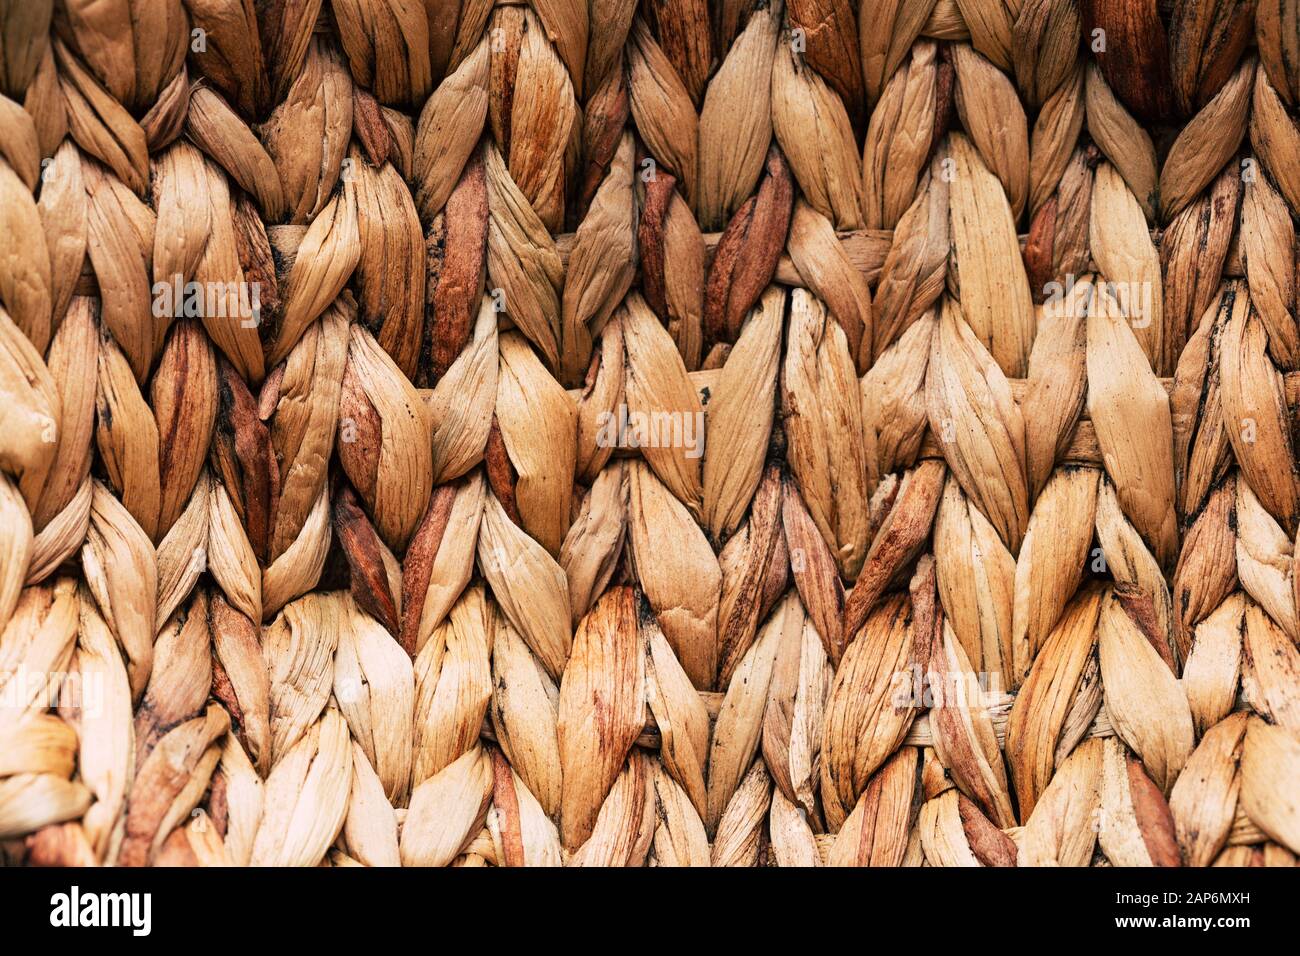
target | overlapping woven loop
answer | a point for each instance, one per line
(601, 433)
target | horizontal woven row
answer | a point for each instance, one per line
(617, 433)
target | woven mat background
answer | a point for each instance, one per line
(686, 432)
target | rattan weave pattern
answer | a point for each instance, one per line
(686, 432)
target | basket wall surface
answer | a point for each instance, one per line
(686, 432)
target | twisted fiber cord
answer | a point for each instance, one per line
(989, 310)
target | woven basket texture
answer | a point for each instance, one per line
(660, 433)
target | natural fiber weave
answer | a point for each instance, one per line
(357, 361)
